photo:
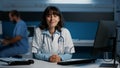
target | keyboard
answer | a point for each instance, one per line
(76, 61)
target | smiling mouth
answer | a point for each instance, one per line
(51, 22)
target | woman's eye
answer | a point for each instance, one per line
(52, 15)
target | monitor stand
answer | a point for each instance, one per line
(108, 65)
(114, 64)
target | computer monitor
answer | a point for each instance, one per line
(31, 31)
(105, 40)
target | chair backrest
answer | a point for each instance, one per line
(30, 37)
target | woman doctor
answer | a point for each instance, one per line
(52, 42)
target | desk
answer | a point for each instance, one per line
(44, 64)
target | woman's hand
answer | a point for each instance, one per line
(55, 58)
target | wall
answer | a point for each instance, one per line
(85, 21)
(86, 30)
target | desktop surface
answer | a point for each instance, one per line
(44, 64)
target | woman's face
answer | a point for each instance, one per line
(52, 20)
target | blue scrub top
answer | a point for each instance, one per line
(21, 30)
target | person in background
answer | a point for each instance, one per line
(18, 44)
(52, 42)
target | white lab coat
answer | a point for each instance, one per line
(42, 42)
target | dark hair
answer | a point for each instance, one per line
(51, 10)
(15, 13)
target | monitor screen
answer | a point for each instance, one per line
(105, 31)
(103, 42)
(30, 31)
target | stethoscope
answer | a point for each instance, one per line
(61, 45)
(61, 39)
